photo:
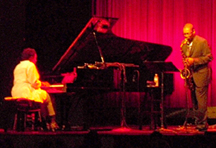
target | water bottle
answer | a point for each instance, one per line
(156, 80)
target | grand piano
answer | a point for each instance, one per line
(97, 49)
(106, 62)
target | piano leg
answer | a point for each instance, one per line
(65, 105)
(70, 105)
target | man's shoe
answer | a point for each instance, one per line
(54, 126)
(202, 127)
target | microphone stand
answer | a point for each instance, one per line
(124, 126)
(100, 51)
(185, 124)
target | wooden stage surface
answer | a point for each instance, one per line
(112, 137)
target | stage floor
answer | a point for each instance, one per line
(111, 137)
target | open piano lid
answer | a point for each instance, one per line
(97, 35)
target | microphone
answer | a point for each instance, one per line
(184, 42)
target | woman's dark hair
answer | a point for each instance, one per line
(28, 53)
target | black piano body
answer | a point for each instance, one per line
(106, 62)
(98, 54)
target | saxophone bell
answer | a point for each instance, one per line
(185, 73)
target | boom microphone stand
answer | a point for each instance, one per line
(185, 124)
(124, 126)
(187, 105)
(123, 80)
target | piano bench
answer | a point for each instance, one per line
(27, 115)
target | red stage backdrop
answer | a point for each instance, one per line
(161, 21)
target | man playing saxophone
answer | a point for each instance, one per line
(197, 55)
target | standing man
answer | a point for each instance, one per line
(197, 57)
(27, 84)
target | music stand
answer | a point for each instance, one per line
(161, 67)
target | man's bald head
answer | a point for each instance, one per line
(189, 31)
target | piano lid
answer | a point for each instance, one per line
(97, 36)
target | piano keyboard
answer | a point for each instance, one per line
(55, 88)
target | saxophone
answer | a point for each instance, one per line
(186, 72)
